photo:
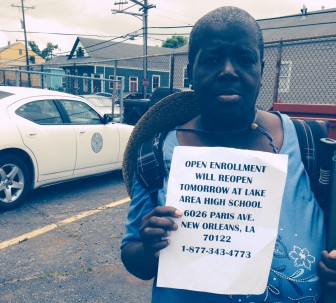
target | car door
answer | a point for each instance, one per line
(97, 143)
(43, 132)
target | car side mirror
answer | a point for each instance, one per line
(107, 118)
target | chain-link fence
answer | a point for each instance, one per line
(299, 71)
(296, 71)
(106, 95)
(59, 81)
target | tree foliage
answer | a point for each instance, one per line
(175, 42)
(46, 53)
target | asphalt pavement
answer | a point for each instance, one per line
(63, 246)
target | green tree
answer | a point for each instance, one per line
(46, 53)
(34, 47)
(175, 42)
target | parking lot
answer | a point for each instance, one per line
(63, 246)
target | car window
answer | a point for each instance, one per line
(99, 101)
(80, 112)
(41, 112)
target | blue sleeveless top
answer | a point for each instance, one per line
(301, 236)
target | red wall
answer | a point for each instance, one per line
(310, 111)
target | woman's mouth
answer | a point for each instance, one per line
(228, 97)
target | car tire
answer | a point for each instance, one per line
(14, 181)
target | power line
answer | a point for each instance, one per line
(106, 41)
(107, 59)
(60, 34)
(160, 34)
(187, 34)
(112, 39)
(154, 27)
(126, 36)
(16, 59)
(169, 34)
(164, 27)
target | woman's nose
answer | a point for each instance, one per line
(228, 69)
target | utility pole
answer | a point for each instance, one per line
(144, 7)
(25, 34)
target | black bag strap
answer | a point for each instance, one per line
(150, 167)
(309, 133)
(151, 171)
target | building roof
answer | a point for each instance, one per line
(96, 51)
(9, 46)
(312, 24)
(11, 57)
(56, 61)
(112, 49)
(3, 48)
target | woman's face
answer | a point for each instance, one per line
(226, 75)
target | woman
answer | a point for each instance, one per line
(225, 68)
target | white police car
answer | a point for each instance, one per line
(48, 137)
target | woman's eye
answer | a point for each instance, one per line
(247, 60)
(211, 60)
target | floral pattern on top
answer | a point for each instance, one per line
(282, 278)
(302, 257)
(279, 276)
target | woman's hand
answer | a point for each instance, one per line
(327, 268)
(156, 226)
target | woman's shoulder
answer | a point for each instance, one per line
(269, 119)
(272, 122)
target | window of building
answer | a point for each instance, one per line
(80, 52)
(65, 79)
(285, 75)
(186, 82)
(76, 79)
(20, 52)
(133, 84)
(97, 84)
(155, 82)
(85, 83)
(120, 78)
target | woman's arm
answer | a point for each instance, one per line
(138, 262)
(141, 257)
(327, 267)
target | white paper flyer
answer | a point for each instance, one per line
(231, 201)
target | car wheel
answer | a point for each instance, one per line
(14, 181)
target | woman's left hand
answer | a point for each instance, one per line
(327, 268)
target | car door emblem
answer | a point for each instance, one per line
(97, 142)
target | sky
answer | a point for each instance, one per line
(61, 21)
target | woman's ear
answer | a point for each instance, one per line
(189, 74)
(262, 71)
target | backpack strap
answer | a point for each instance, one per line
(150, 167)
(310, 133)
(151, 170)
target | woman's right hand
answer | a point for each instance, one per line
(156, 227)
